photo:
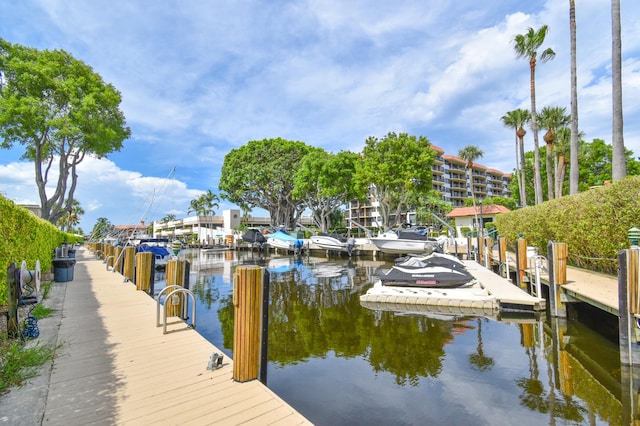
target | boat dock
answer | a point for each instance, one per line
(113, 365)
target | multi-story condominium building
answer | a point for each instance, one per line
(451, 180)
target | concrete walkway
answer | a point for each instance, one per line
(113, 366)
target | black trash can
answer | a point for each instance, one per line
(63, 270)
(71, 253)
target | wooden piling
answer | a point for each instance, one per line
(109, 255)
(521, 261)
(628, 302)
(248, 306)
(557, 255)
(502, 253)
(129, 263)
(144, 270)
(177, 272)
(117, 255)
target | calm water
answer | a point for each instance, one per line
(339, 363)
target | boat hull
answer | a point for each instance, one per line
(403, 246)
(329, 243)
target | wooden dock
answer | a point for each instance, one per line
(510, 297)
(597, 289)
(115, 366)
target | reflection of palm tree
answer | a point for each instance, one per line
(479, 360)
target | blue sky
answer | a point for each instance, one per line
(199, 78)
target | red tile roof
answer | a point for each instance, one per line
(486, 210)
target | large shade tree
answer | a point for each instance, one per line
(261, 174)
(60, 110)
(516, 120)
(325, 182)
(526, 46)
(395, 169)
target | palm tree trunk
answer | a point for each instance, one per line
(537, 177)
(518, 176)
(574, 171)
(618, 162)
(550, 171)
(523, 173)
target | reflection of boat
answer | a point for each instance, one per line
(280, 265)
(254, 236)
(472, 299)
(283, 240)
(435, 270)
(332, 241)
(403, 241)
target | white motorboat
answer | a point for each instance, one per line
(334, 242)
(405, 241)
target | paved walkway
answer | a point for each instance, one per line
(115, 367)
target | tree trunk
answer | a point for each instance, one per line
(574, 171)
(537, 177)
(618, 162)
(523, 173)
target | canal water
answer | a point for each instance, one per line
(339, 363)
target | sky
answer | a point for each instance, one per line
(200, 78)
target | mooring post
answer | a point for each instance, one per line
(629, 330)
(248, 301)
(144, 271)
(129, 263)
(629, 306)
(117, 264)
(502, 254)
(177, 272)
(557, 255)
(521, 261)
(489, 242)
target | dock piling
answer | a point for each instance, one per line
(250, 290)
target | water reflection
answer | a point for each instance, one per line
(338, 362)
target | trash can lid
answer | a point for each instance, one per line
(64, 263)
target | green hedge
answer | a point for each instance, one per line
(594, 223)
(23, 236)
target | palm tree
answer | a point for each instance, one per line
(526, 46)
(552, 119)
(516, 120)
(204, 205)
(470, 153)
(574, 171)
(618, 160)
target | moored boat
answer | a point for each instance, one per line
(405, 241)
(334, 242)
(157, 246)
(434, 271)
(283, 240)
(255, 237)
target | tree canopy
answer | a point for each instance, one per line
(60, 110)
(395, 169)
(261, 174)
(324, 182)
